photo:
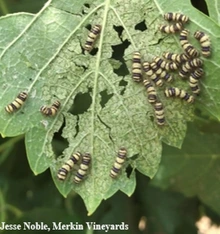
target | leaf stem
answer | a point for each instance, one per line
(125, 28)
(89, 231)
(105, 14)
(2, 207)
(14, 210)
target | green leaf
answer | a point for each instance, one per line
(23, 5)
(7, 146)
(167, 211)
(101, 108)
(213, 9)
(11, 26)
(210, 98)
(194, 170)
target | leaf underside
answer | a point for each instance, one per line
(102, 109)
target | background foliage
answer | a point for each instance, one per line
(185, 187)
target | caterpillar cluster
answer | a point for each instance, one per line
(190, 62)
(51, 110)
(119, 161)
(158, 72)
(71, 162)
(82, 161)
(92, 37)
(85, 160)
(21, 99)
(151, 74)
(179, 20)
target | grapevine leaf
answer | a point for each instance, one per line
(194, 170)
(213, 9)
(11, 26)
(102, 109)
(210, 99)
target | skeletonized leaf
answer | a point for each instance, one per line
(102, 109)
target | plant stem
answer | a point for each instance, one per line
(18, 213)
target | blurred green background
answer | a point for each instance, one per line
(150, 210)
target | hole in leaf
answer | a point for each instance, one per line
(105, 97)
(88, 26)
(118, 29)
(200, 5)
(118, 50)
(141, 26)
(118, 53)
(59, 143)
(81, 103)
(122, 70)
(123, 83)
(128, 171)
(94, 51)
(87, 5)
